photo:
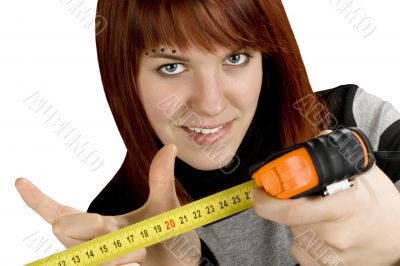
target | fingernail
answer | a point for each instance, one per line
(252, 194)
(20, 183)
(257, 192)
(175, 149)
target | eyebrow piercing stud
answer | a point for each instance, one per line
(162, 50)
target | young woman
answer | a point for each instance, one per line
(201, 90)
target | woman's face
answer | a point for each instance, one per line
(201, 102)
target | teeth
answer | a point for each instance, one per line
(205, 131)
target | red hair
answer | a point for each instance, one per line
(136, 25)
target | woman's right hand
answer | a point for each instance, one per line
(73, 227)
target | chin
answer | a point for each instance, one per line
(207, 164)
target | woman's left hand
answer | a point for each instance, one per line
(358, 226)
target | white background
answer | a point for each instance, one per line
(47, 47)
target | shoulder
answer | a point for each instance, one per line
(339, 101)
(116, 197)
(108, 201)
(350, 105)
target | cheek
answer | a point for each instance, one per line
(152, 100)
(247, 88)
(160, 101)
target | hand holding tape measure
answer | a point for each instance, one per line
(321, 166)
(73, 227)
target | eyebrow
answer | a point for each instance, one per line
(168, 56)
(184, 59)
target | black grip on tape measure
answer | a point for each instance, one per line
(338, 156)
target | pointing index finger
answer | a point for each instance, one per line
(42, 204)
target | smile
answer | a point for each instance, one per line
(207, 135)
(205, 131)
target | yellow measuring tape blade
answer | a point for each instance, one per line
(155, 229)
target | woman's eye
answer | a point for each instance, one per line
(177, 68)
(237, 59)
(171, 69)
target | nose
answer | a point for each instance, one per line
(208, 94)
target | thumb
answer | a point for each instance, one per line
(324, 132)
(162, 196)
(162, 179)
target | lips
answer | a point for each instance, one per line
(204, 139)
(209, 126)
